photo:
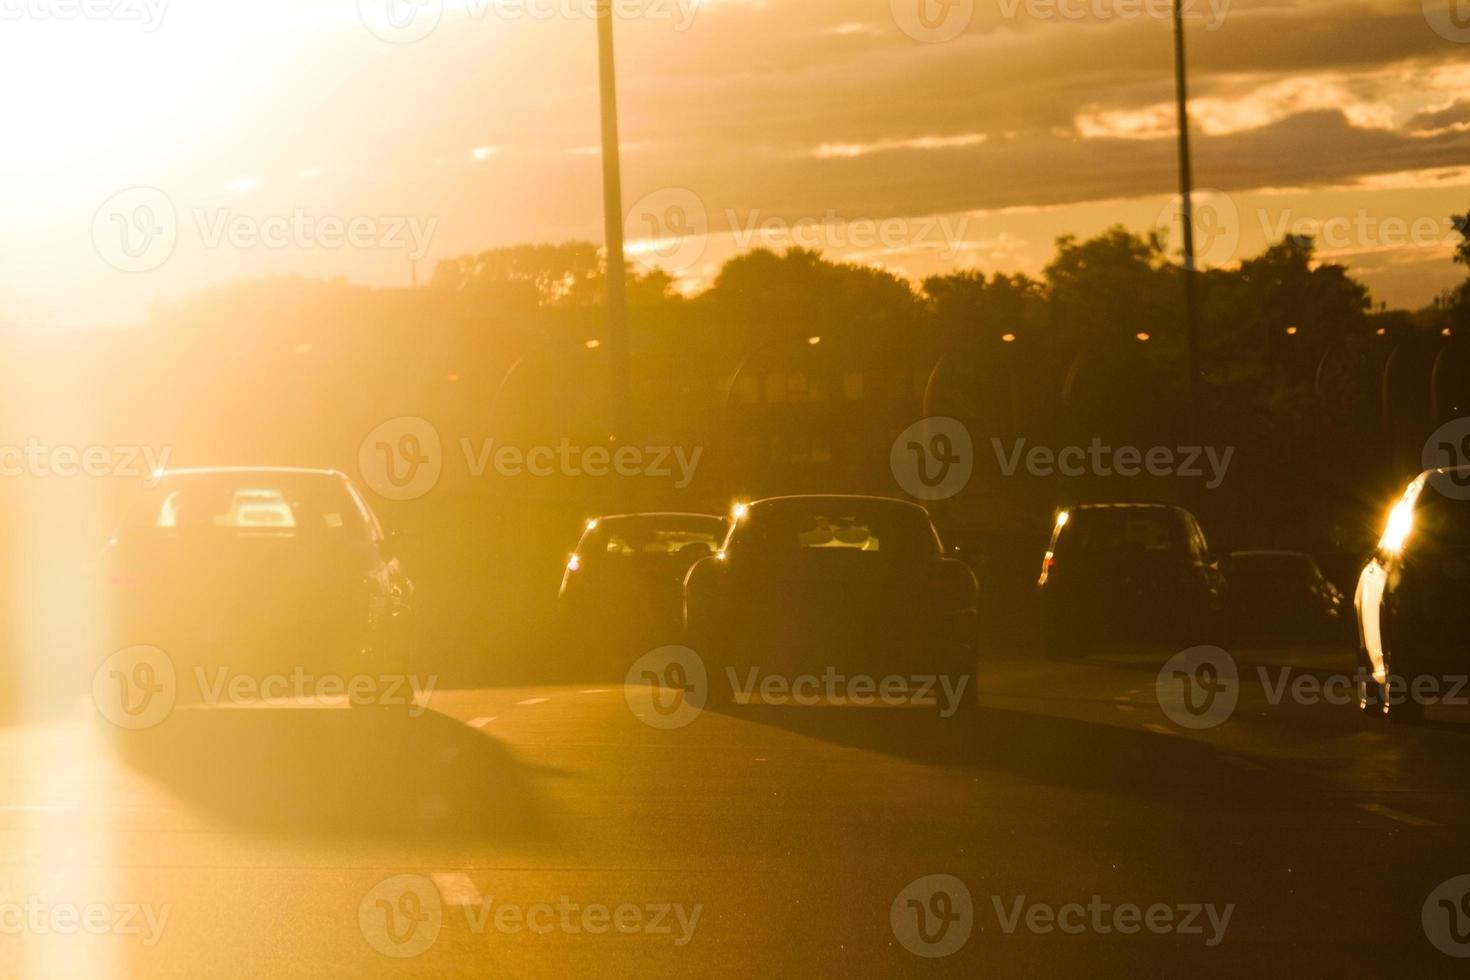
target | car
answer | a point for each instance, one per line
(1411, 598)
(1283, 595)
(1129, 573)
(857, 583)
(261, 570)
(622, 585)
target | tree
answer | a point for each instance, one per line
(767, 297)
(967, 306)
(1107, 290)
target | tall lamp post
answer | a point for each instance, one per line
(618, 348)
(1186, 210)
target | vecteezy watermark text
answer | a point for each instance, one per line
(409, 21)
(34, 458)
(933, 916)
(835, 688)
(137, 230)
(148, 14)
(1212, 12)
(403, 459)
(1104, 918)
(1098, 459)
(402, 916)
(36, 916)
(139, 686)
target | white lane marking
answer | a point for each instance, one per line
(1124, 707)
(1239, 763)
(456, 888)
(1399, 815)
(1158, 729)
(481, 722)
(533, 700)
(596, 690)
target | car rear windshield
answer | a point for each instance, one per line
(614, 538)
(251, 505)
(1122, 531)
(853, 528)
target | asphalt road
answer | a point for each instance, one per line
(554, 831)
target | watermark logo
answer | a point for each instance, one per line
(1449, 447)
(401, 916)
(667, 688)
(136, 687)
(933, 916)
(1198, 688)
(1450, 19)
(400, 21)
(136, 230)
(932, 21)
(401, 459)
(1446, 917)
(1215, 221)
(933, 459)
(669, 228)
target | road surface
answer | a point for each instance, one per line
(1076, 828)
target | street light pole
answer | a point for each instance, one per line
(618, 347)
(1186, 210)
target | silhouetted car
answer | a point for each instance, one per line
(260, 570)
(1413, 598)
(1282, 595)
(1129, 572)
(623, 585)
(857, 583)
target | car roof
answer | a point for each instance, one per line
(819, 498)
(1139, 505)
(660, 515)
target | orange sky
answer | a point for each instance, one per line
(157, 146)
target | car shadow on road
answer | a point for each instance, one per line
(331, 771)
(1036, 748)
